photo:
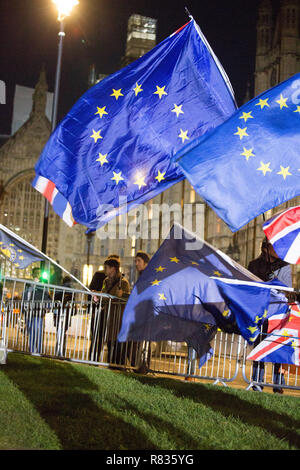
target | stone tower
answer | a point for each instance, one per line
(278, 43)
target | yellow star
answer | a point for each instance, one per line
(297, 110)
(265, 314)
(117, 177)
(96, 135)
(174, 260)
(195, 262)
(247, 153)
(101, 111)
(264, 168)
(138, 89)
(257, 318)
(162, 297)
(140, 181)
(241, 132)
(16, 264)
(159, 269)
(177, 109)
(246, 116)
(21, 257)
(183, 135)
(156, 282)
(102, 159)
(160, 176)
(263, 103)
(160, 91)
(284, 172)
(252, 329)
(225, 313)
(282, 102)
(117, 93)
(217, 273)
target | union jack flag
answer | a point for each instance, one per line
(283, 232)
(282, 343)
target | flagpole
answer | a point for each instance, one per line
(61, 35)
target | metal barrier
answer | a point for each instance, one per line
(71, 324)
(266, 374)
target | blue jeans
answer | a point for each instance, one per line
(35, 333)
(259, 372)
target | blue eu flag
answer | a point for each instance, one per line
(113, 149)
(17, 252)
(251, 162)
(180, 296)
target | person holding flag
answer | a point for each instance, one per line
(269, 267)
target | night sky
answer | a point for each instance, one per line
(96, 33)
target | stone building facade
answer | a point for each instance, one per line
(277, 59)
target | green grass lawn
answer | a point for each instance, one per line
(48, 404)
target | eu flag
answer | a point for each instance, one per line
(250, 163)
(183, 296)
(113, 149)
(17, 252)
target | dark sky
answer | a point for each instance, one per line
(28, 38)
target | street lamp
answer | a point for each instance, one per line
(64, 8)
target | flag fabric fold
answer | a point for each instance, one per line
(283, 232)
(113, 150)
(250, 163)
(180, 296)
(281, 345)
(16, 251)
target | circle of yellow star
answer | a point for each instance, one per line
(247, 153)
(101, 111)
(282, 102)
(217, 273)
(117, 177)
(160, 176)
(117, 93)
(284, 172)
(246, 116)
(183, 135)
(264, 168)
(241, 132)
(160, 269)
(156, 282)
(162, 296)
(174, 260)
(96, 135)
(140, 181)
(177, 109)
(138, 89)
(263, 103)
(160, 91)
(102, 159)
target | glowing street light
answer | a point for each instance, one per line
(64, 8)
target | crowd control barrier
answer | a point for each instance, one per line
(76, 325)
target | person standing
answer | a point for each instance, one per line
(34, 298)
(98, 319)
(141, 262)
(267, 266)
(116, 285)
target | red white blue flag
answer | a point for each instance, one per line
(281, 345)
(283, 232)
